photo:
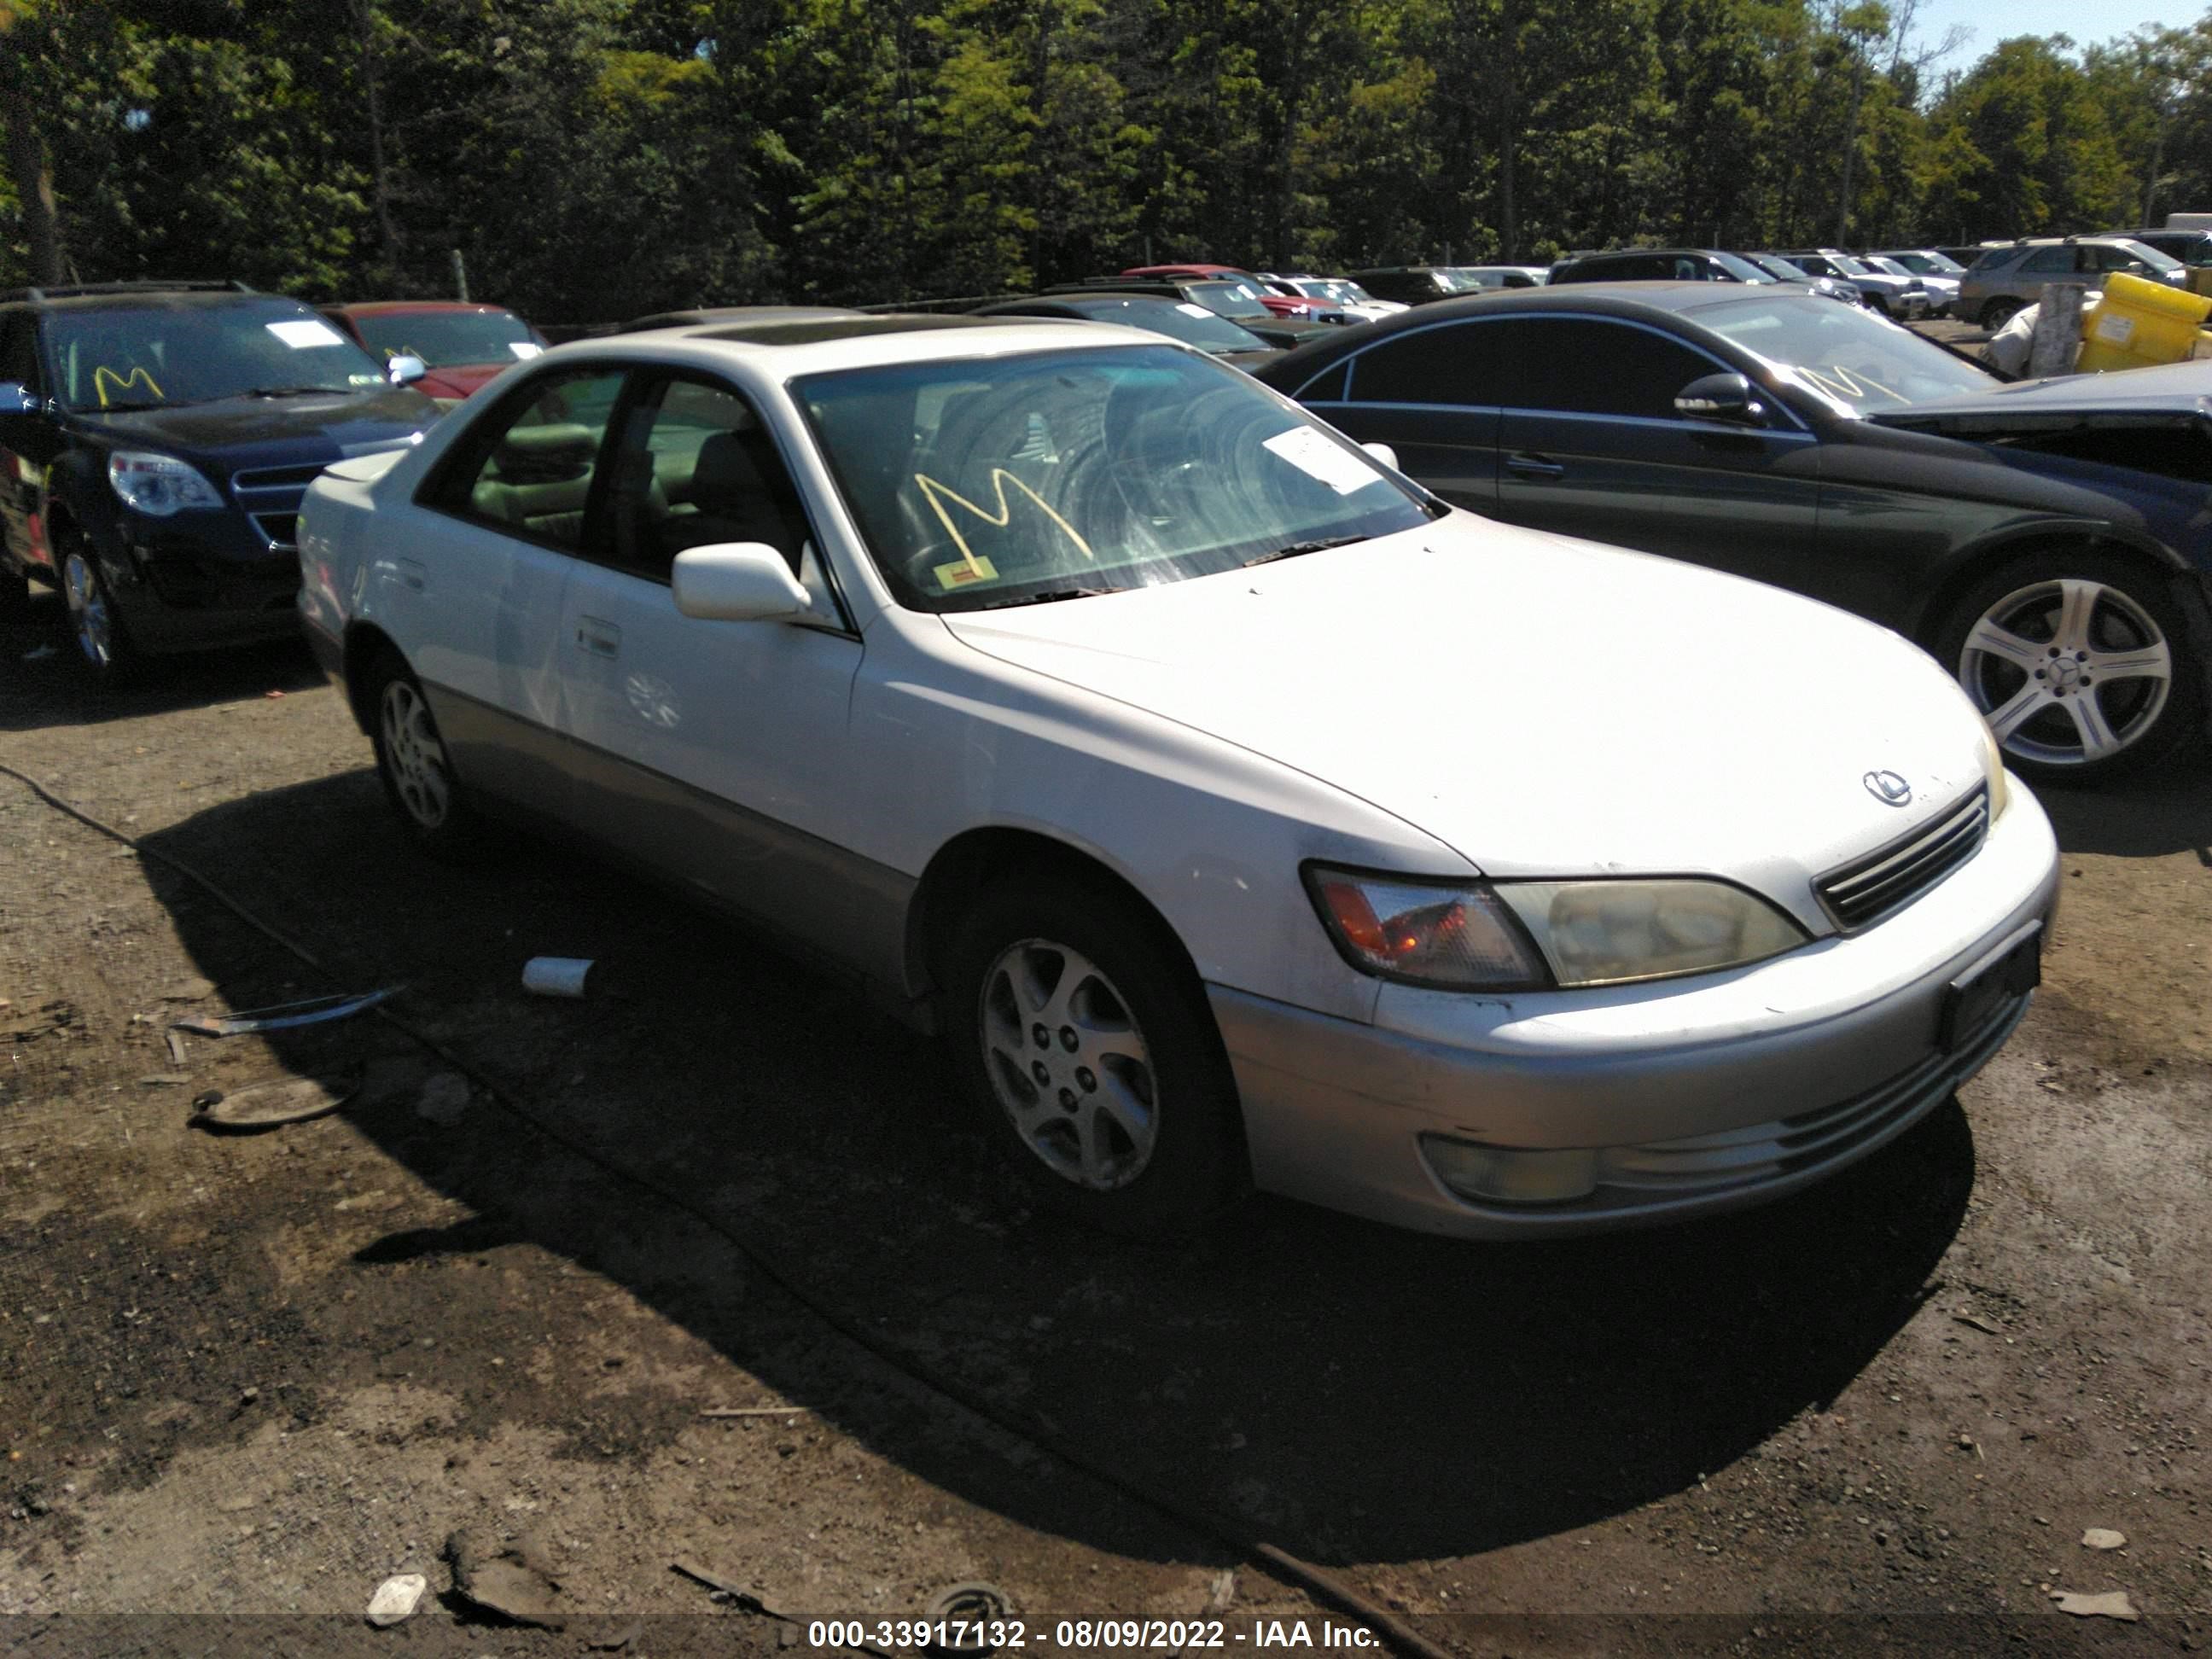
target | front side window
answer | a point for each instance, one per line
(448, 339)
(986, 482)
(19, 349)
(530, 465)
(1586, 366)
(150, 355)
(697, 468)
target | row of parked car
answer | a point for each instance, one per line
(1260, 769)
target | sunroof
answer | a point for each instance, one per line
(841, 328)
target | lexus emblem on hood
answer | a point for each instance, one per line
(1888, 789)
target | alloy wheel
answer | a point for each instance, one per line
(86, 601)
(2067, 671)
(1068, 1065)
(414, 754)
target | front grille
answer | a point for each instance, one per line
(270, 496)
(1863, 891)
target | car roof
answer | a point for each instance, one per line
(391, 307)
(154, 296)
(1632, 301)
(786, 349)
(702, 316)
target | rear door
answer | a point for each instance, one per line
(1432, 394)
(1590, 445)
(472, 594)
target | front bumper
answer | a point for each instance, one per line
(1705, 1094)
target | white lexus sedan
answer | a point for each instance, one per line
(1237, 811)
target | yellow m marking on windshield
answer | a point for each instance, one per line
(936, 495)
(106, 381)
(1846, 385)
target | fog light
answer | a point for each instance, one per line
(1512, 1174)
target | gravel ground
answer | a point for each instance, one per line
(259, 1374)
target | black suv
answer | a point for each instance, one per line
(1658, 265)
(156, 439)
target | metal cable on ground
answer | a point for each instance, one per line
(1324, 1586)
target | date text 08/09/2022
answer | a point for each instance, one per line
(1085, 1635)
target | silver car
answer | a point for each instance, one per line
(2004, 279)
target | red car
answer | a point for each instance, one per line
(1283, 305)
(462, 343)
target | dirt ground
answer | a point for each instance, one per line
(258, 1375)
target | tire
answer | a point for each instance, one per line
(2080, 662)
(418, 780)
(1081, 1036)
(1997, 312)
(15, 596)
(102, 640)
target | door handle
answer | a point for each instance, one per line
(601, 639)
(1533, 466)
(412, 573)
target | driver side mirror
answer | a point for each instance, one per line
(1383, 453)
(24, 427)
(1729, 397)
(405, 369)
(737, 581)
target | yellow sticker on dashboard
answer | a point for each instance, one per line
(965, 573)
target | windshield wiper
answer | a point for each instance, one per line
(1320, 544)
(1052, 593)
(291, 391)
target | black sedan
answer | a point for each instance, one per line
(2049, 541)
(1179, 320)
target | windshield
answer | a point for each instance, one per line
(1179, 320)
(1742, 270)
(1890, 265)
(1344, 293)
(1781, 270)
(1848, 267)
(984, 482)
(447, 339)
(1229, 298)
(1929, 264)
(119, 357)
(1850, 356)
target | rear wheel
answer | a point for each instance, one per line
(1082, 1039)
(411, 762)
(2079, 661)
(1997, 312)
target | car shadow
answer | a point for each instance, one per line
(44, 682)
(2148, 817)
(1350, 1392)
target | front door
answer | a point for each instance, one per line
(1590, 445)
(716, 751)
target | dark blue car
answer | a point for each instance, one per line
(155, 442)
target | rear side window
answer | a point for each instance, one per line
(2047, 261)
(529, 467)
(1587, 366)
(1458, 363)
(19, 349)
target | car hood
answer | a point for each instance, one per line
(1542, 706)
(2175, 394)
(457, 381)
(245, 432)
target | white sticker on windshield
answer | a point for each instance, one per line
(306, 332)
(1190, 310)
(1317, 457)
(524, 350)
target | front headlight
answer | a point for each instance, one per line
(1515, 935)
(1993, 772)
(158, 485)
(1607, 932)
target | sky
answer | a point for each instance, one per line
(2086, 20)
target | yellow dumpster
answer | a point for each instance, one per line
(2139, 322)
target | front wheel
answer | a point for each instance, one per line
(101, 635)
(1998, 313)
(1082, 1037)
(2081, 663)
